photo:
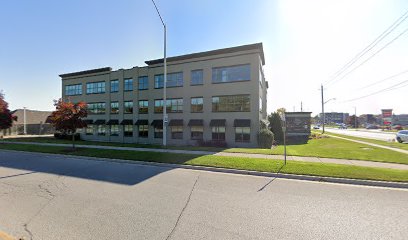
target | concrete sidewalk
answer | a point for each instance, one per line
(228, 154)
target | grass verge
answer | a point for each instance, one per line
(398, 145)
(255, 164)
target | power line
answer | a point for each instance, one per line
(383, 80)
(384, 34)
(378, 51)
(394, 87)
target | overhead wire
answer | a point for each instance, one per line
(369, 47)
(383, 80)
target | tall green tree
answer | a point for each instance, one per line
(275, 125)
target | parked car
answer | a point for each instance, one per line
(397, 127)
(316, 127)
(372, 127)
(402, 136)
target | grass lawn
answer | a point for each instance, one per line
(334, 148)
(379, 142)
(114, 144)
(256, 164)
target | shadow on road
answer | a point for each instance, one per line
(119, 173)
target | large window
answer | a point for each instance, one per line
(114, 130)
(242, 134)
(95, 87)
(197, 104)
(173, 80)
(173, 105)
(177, 132)
(128, 84)
(143, 131)
(143, 106)
(114, 86)
(96, 108)
(197, 132)
(232, 103)
(128, 130)
(101, 130)
(231, 74)
(114, 108)
(89, 130)
(143, 83)
(128, 107)
(196, 77)
(218, 133)
(71, 90)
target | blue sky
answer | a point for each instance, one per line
(305, 42)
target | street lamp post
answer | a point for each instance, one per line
(355, 117)
(165, 117)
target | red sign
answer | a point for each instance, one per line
(386, 113)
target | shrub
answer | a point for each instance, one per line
(265, 138)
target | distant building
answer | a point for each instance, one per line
(334, 117)
(35, 123)
(401, 119)
(368, 119)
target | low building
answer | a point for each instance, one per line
(401, 119)
(217, 96)
(35, 123)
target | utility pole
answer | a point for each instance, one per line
(355, 117)
(301, 106)
(321, 87)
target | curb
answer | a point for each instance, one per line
(351, 181)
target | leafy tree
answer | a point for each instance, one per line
(281, 110)
(275, 124)
(6, 117)
(68, 116)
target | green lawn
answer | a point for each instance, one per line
(324, 147)
(334, 148)
(379, 142)
(255, 164)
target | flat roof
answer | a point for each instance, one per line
(257, 46)
(92, 71)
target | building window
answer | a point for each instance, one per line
(197, 132)
(177, 132)
(197, 104)
(173, 105)
(218, 133)
(96, 108)
(128, 130)
(128, 84)
(128, 107)
(89, 130)
(231, 74)
(143, 131)
(101, 130)
(143, 106)
(260, 104)
(242, 134)
(143, 83)
(114, 130)
(173, 80)
(95, 87)
(114, 108)
(158, 132)
(232, 103)
(196, 77)
(72, 90)
(114, 86)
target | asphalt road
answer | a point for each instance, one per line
(372, 134)
(53, 197)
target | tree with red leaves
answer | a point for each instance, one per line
(6, 118)
(68, 116)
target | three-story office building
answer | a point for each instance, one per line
(213, 96)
